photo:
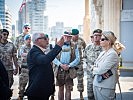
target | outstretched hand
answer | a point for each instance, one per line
(60, 42)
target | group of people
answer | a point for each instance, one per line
(44, 66)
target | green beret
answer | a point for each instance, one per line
(75, 31)
(46, 35)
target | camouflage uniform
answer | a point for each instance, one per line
(24, 77)
(80, 72)
(91, 53)
(18, 43)
(8, 55)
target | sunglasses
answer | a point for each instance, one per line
(42, 38)
(103, 39)
(5, 34)
(27, 28)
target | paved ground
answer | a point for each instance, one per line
(126, 82)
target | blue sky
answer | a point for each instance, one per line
(71, 12)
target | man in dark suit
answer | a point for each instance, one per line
(41, 77)
(5, 91)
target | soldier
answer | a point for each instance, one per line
(8, 55)
(92, 51)
(20, 40)
(24, 77)
(80, 72)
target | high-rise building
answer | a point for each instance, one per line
(1, 25)
(32, 12)
(5, 16)
(57, 31)
(46, 24)
(2, 12)
(8, 20)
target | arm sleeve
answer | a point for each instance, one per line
(110, 61)
(15, 59)
(57, 62)
(45, 59)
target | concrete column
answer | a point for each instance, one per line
(112, 16)
(98, 4)
(86, 24)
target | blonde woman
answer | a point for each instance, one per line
(105, 69)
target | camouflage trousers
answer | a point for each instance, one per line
(90, 86)
(10, 76)
(80, 76)
(23, 80)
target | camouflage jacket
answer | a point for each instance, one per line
(81, 47)
(8, 55)
(91, 53)
(23, 52)
(19, 42)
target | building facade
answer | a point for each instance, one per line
(126, 33)
(5, 17)
(33, 13)
(2, 12)
(57, 30)
(8, 20)
(112, 15)
(1, 26)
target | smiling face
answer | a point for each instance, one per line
(4, 36)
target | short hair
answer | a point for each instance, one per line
(35, 36)
(4, 30)
(97, 31)
(110, 36)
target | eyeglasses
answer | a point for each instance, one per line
(42, 38)
(26, 27)
(103, 39)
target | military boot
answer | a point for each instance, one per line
(81, 96)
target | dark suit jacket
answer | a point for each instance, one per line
(5, 91)
(41, 77)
